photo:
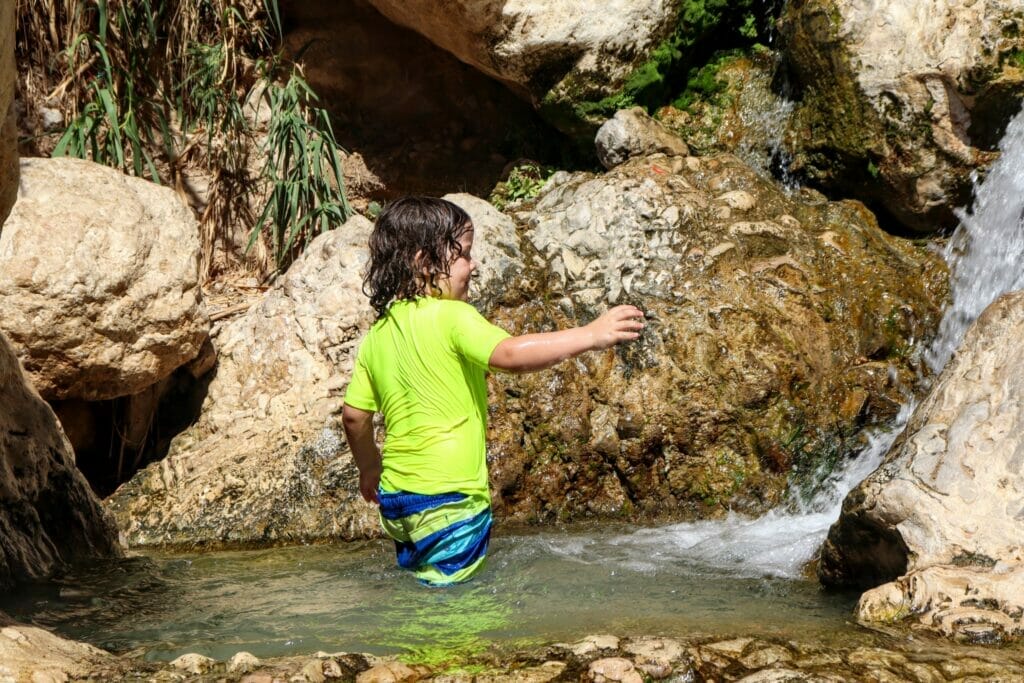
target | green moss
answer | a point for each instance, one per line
(1016, 58)
(702, 27)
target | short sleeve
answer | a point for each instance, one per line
(360, 393)
(472, 336)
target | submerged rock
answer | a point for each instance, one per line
(99, 280)
(949, 495)
(48, 514)
(777, 326)
(902, 128)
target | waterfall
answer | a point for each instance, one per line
(986, 253)
(986, 259)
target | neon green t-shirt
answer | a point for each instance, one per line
(423, 366)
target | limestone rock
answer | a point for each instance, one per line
(389, 672)
(193, 663)
(242, 663)
(544, 51)
(49, 514)
(902, 127)
(766, 312)
(951, 491)
(970, 604)
(267, 461)
(631, 133)
(28, 653)
(99, 280)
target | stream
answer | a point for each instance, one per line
(723, 577)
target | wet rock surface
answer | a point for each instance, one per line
(99, 280)
(636, 659)
(944, 507)
(902, 128)
(48, 514)
(777, 325)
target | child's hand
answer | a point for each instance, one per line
(369, 482)
(619, 324)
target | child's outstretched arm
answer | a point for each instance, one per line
(530, 352)
(359, 432)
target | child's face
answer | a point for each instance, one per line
(461, 269)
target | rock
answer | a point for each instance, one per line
(495, 248)
(614, 670)
(388, 672)
(761, 325)
(242, 663)
(267, 462)
(8, 121)
(632, 133)
(28, 653)
(48, 515)
(313, 672)
(193, 663)
(950, 491)
(969, 604)
(546, 52)
(592, 644)
(902, 128)
(99, 280)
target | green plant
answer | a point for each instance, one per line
(523, 182)
(155, 87)
(303, 169)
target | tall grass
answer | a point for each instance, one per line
(154, 87)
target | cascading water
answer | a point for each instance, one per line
(986, 259)
(986, 252)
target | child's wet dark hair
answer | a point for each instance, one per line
(427, 226)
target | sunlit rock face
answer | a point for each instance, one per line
(949, 495)
(266, 462)
(776, 325)
(899, 101)
(99, 280)
(48, 514)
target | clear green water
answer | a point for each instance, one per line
(538, 588)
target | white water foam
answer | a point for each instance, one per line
(986, 258)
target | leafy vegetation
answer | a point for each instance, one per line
(524, 182)
(158, 87)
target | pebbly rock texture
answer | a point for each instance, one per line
(266, 462)
(48, 514)
(950, 493)
(776, 326)
(902, 128)
(99, 280)
(554, 54)
(631, 133)
(8, 122)
(969, 604)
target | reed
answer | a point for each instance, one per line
(154, 87)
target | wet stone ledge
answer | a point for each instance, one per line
(605, 659)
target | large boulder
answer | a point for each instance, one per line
(99, 280)
(555, 54)
(902, 128)
(951, 491)
(266, 462)
(777, 325)
(48, 515)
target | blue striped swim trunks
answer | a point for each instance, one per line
(442, 538)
